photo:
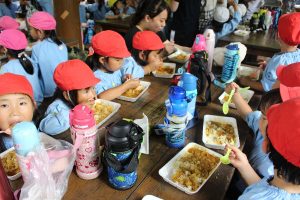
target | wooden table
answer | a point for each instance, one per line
(118, 25)
(259, 44)
(149, 181)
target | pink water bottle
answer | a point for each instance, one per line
(84, 136)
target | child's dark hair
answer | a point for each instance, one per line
(135, 55)
(217, 26)
(149, 7)
(93, 62)
(289, 172)
(25, 62)
(270, 98)
(58, 94)
(115, 9)
(52, 35)
(36, 4)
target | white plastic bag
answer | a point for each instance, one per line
(46, 170)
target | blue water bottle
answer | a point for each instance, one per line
(25, 137)
(189, 83)
(177, 102)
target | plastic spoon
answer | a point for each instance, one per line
(226, 103)
(225, 159)
(244, 89)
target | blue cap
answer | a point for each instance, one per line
(232, 47)
(189, 81)
(25, 137)
(177, 93)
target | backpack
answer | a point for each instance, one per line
(198, 66)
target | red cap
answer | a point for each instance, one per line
(13, 39)
(289, 28)
(289, 77)
(42, 21)
(147, 40)
(110, 44)
(15, 84)
(7, 22)
(74, 75)
(284, 129)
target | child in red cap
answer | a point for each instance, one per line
(16, 104)
(7, 22)
(106, 58)
(289, 81)
(75, 85)
(146, 54)
(283, 146)
(289, 38)
(49, 51)
(13, 43)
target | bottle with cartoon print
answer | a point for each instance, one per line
(84, 136)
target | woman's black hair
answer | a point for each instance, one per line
(25, 62)
(93, 62)
(286, 170)
(135, 55)
(270, 98)
(217, 26)
(149, 7)
(52, 35)
(58, 94)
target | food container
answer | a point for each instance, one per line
(145, 86)
(250, 72)
(241, 33)
(209, 140)
(246, 94)
(150, 197)
(162, 73)
(2, 155)
(169, 169)
(115, 108)
(179, 56)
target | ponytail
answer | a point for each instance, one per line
(52, 35)
(93, 62)
(23, 59)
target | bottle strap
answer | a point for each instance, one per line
(125, 166)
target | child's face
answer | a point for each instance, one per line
(87, 96)
(158, 22)
(15, 108)
(154, 56)
(33, 33)
(120, 5)
(114, 64)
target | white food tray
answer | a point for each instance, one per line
(145, 85)
(16, 176)
(241, 33)
(116, 107)
(151, 197)
(246, 94)
(247, 71)
(168, 169)
(227, 120)
(173, 58)
(166, 75)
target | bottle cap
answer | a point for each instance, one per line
(82, 117)
(25, 137)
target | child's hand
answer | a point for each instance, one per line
(237, 158)
(231, 2)
(231, 86)
(156, 64)
(262, 64)
(127, 77)
(170, 47)
(132, 83)
(7, 131)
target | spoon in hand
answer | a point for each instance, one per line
(225, 159)
(226, 103)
